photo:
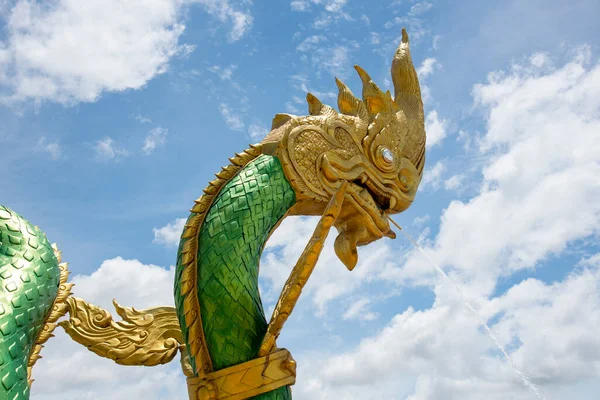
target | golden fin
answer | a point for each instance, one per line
(145, 337)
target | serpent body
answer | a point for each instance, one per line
(231, 240)
(29, 280)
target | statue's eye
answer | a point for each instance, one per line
(387, 155)
(384, 159)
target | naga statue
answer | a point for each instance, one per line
(353, 167)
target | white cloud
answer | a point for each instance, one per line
(451, 358)
(54, 149)
(539, 194)
(375, 38)
(454, 182)
(332, 11)
(300, 5)
(311, 43)
(224, 74)
(433, 176)
(359, 310)
(334, 5)
(435, 42)
(540, 60)
(539, 188)
(241, 21)
(435, 128)
(66, 53)
(156, 137)
(419, 8)
(106, 150)
(257, 132)
(420, 221)
(332, 59)
(330, 279)
(232, 119)
(428, 66)
(301, 83)
(142, 119)
(169, 234)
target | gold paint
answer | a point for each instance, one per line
(59, 308)
(245, 380)
(144, 337)
(302, 271)
(325, 148)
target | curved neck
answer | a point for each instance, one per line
(231, 241)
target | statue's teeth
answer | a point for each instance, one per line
(364, 194)
(393, 202)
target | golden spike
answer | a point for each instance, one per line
(280, 119)
(407, 91)
(314, 104)
(348, 103)
(373, 97)
(317, 108)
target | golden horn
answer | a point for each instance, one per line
(407, 91)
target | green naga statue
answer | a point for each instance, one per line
(354, 168)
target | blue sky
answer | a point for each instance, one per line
(115, 116)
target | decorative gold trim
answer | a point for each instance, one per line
(301, 272)
(242, 381)
(59, 308)
(189, 277)
(145, 337)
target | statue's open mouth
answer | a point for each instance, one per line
(374, 202)
(374, 194)
(370, 197)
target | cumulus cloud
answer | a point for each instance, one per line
(169, 234)
(232, 118)
(331, 11)
(333, 59)
(156, 137)
(433, 176)
(310, 43)
(435, 128)
(454, 182)
(224, 73)
(54, 149)
(427, 67)
(330, 279)
(539, 194)
(359, 309)
(257, 132)
(107, 149)
(66, 53)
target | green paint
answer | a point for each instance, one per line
(29, 279)
(231, 240)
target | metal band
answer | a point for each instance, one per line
(254, 377)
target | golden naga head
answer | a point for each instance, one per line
(377, 144)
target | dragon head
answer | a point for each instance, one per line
(376, 144)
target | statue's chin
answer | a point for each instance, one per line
(352, 234)
(345, 248)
